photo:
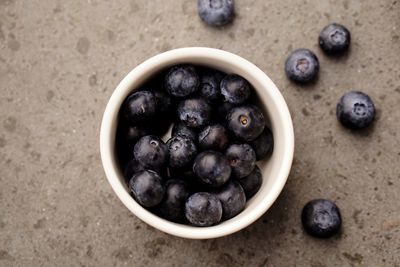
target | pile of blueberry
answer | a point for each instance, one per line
(207, 169)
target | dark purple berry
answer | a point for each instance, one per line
(182, 151)
(246, 122)
(216, 12)
(321, 218)
(203, 209)
(242, 159)
(195, 112)
(212, 168)
(232, 198)
(182, 81)
(252, 182)
(140, 106)
(210, 86)
(173, 205)
(263, 144)
(213, 137)
(334, 39)
(355, 110)
(147, 188)
(151, 152)
(302, 66)
(235, 89)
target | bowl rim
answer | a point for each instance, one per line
(108, 128)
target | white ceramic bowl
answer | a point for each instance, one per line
(275, 170)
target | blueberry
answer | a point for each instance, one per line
(233, 199)
(194, 112)
(302, 66)
(252, 182)
(334, 39)
(213, 137)
(212, 168)
(210, 86)
(203, 209)
(216, 12)
(246, 122)
(321, 218)
(355, 110)
(147, 188)
(182, 81)
(180, 129)
(263, 144)
(242, 159)
(140, 106)
(151, 152)
(173, 205)
(235, 89)
(182, 151)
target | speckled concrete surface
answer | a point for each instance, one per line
(61, 60)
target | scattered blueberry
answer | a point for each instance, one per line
(173, 205)
(210, 86)
(355, 110)
(212, 168)
(235, 89)
(180, 129)
(246, 122)
(195, 112)
(263, 144)
(216, 12)
(252, 182)
(151, 152)
(302, 66)
(321, 218)
(213, 137)
(182, 81)
(233, 199)
(182, 151)
(140, 106)
(147, 188)
(203, 209)
(334, 39)
(242, 159)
